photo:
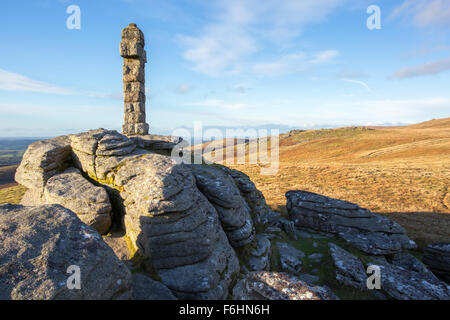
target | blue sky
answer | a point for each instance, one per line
(248, 63)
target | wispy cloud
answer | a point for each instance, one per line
(241, 88)
(10, 81)
(392, 110)
(184, 88)
(220, 105)
(222, 44)
(291, 63)
(294, 63)
(359, 112)
(424, 12)
(55, 119)
(325, 56)
(361, 83)
(370, 112)
(242, 26)
(346, 74)
(429, 68)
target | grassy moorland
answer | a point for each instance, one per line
(12, 149)
(400, 172)
(10, 191)
(11, 152)
(12, 194)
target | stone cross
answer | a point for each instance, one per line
(134, 59)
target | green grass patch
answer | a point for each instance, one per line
(324, 269)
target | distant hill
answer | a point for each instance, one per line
(428, 141)
(432, 124)
(12, 149)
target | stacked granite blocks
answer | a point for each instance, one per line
(134, 59)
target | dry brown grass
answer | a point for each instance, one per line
(401, 172)
(7, 175)
(12, 195)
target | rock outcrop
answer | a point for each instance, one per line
(42, 160)
(98, 152)
(170, 221)
(49, 162)
(397, 282)
(367, 231)
(209, 279)
(260, 255)
(349, 269)
(278, 286)
(91, 203)
(290, 257)
(437, 258)
(157, 142)
(145, 288)
(233, 210)
(39, 244)
(402, 284)
(253, 197)
(408, 262)
(184, 220)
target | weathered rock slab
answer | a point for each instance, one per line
(88, 146)
(369, 232)
(397, 282)
(39, 244)
(290, 257)
(260, 255)
(402, 284)
(234, 213)
(91, 203)
(409, 262)
(437, 258)
(349, 269)
(42, 160)
(278, 286)
(156, 142)
(208, 279)
(145, 288)
(254, 198)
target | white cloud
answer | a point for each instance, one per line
(219, 49)
(10, 81)
(429, 68)
(424, 12)
(241, 27)
(285, 19)
(294, 63)
(312, 114)
(325, 56)
(291, 63)
(387, 110)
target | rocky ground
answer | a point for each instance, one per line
(141, 225)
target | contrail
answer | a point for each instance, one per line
(362, 83)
